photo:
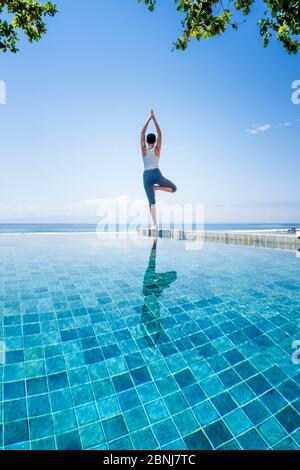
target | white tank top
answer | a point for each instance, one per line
(150, 160)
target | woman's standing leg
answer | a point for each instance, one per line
(149, 189)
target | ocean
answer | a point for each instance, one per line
(81, 228)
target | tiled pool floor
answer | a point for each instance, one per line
(118, 345)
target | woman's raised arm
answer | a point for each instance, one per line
(143, 140)
(159, 137)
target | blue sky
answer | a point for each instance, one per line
(76, 102)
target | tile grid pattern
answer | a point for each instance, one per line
(211, 369)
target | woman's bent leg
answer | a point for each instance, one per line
(165, 185)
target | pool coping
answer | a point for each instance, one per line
(287, 242)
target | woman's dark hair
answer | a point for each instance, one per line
(151, 139)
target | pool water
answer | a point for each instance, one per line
(133, 344)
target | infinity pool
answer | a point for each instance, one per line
(133, 344)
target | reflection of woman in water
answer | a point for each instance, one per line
(153, 287)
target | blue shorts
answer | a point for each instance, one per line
(154, 177)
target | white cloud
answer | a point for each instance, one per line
(258, 129)
(284, 124)
(255, 129)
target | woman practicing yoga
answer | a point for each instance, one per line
(153, 179)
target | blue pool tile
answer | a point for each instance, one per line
(14, 390)
(36, 386)
(218, 363)
(48, 443)
(14, 372)
(206, 413)
(289, 390)
(272, 432)
(273, 400)
(165, 432)
(86, 414)
(147, 392)
(78, 376)
(102, 388)
(207, 350)
(176, 402)
(296, 436)
(115, 365)
(93, 355)
(238, 422)
(136, 419)
(185, 423)
(38, 405)
(21, 446)
(212, 386)
(82, 394)
(91, 435)
(15, 432)
(12, 357)
(242, 394)
(97, 371)
(197, 441)
(201, 370)
(167, 385)
(256, 411)
(286, 444)
(55, 364)
(124, 443)
(234, 356)
(251, 440)
(89, 343)
(156, 411)
(114, 427)
(140, 375)
(108, 407)
(175, 445)
(275, 375)
(289, 419)
(128, 399)
(122, 382)
(230, 445)
(15, 410)
(61, 400)
(296, 405)
(67, 335)
(224, 403)
(69, 441)
(134, 360)
(259, 384)
(193, 394)
(57, 381)
(40, 427)
(229, 378)
(144, 440)
(176, 362)
(64, 421)
(110, 351)
(218, 433)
